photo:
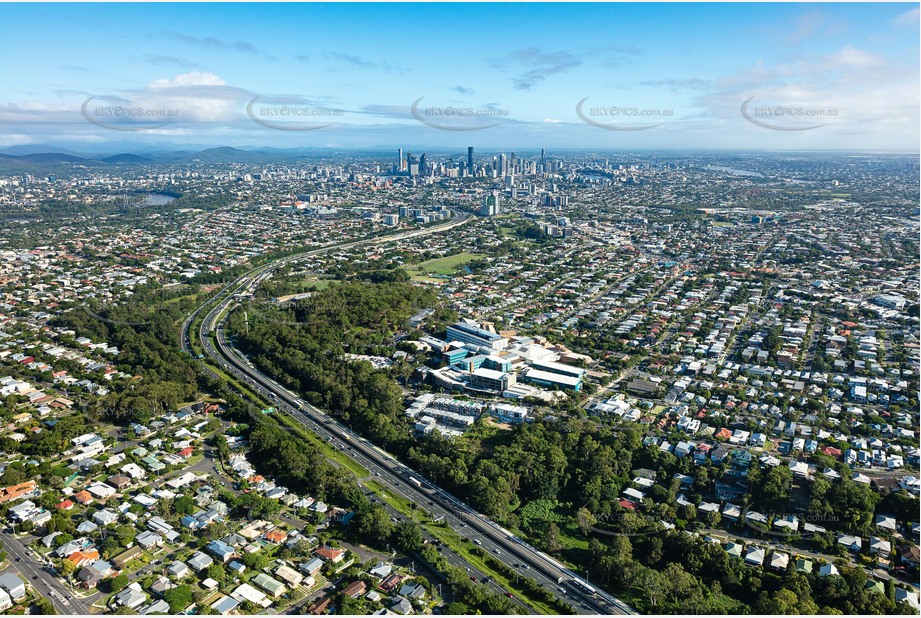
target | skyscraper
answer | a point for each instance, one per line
(400, 160)
(491, 205)
(470, 160)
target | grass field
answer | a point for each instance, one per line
(306, 282)
(441, 266)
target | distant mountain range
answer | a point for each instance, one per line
(40, 159)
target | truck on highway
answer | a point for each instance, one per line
(582, 586)
(415, 481)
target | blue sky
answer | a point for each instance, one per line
(816, 76)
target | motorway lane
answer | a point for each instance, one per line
(334, 437)
(32, 569)
(548, 572)
(491, 539)
(458, 218)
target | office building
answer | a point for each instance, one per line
(468, 333)
(491, 205)
(490, 380)
(552, 380)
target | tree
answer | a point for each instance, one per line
(407, 536)
(456, 608)
(255, 561)
(372, 523)
(216, 572)
(585, 519)
(119, 582)
(552, 539)
(652, 553)
(184, 505)
(178, 598)
(44, 606)
(125, 534)
(785, 602)
(774, 489)
(221, 447)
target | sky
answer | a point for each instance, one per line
(826, 76)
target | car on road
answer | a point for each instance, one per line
(478, 541)
(509, 595)
(496, 551)
(472, 578)
(525, 567)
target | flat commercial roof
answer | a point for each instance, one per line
(559, 368)
(477, 332)
(488, 373)
(556, 378)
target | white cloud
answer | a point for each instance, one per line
(851, 57)
(195, 78)
(908, 18)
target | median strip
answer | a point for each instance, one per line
(462, 547)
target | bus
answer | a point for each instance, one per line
(415, 481)
(582, 586)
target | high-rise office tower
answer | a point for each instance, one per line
(422, 165)
(400, 160)
(503, 164)
(491, 205)
(470, 160)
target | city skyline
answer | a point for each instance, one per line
(607, 77)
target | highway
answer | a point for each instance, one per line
(252, 277)
(395, 476)
(36, 574)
